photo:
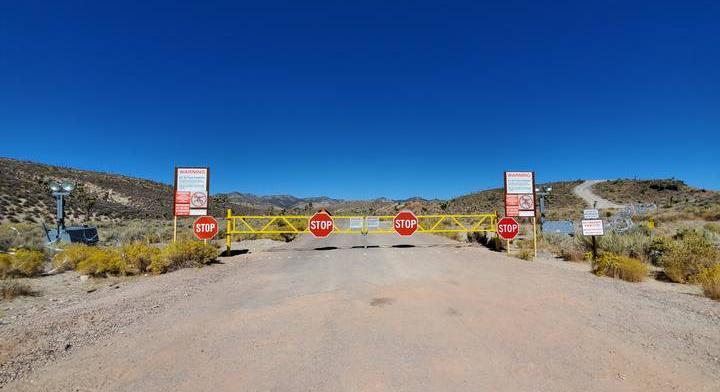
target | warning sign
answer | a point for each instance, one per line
(520, 194)
(192, 187)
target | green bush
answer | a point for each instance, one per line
(709, 278)
(621, 267)
(657, 248)
(688, 256)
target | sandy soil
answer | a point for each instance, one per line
(370, 313)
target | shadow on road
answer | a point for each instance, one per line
(327, 248)
(234, 252)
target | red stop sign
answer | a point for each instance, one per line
(405, 223)
(205, 227)
(321, 224)
(508, 228)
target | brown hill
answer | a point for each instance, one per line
(673, 197)
(25, 195)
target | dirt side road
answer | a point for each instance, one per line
(585, 192)
(439, 316)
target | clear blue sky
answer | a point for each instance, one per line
(365, 99)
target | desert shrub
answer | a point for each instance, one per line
(712, 227)
(633, 244)
(6, 265)
(621, 267)
(657, 248)
(21, 235)
(182, 254)
(103, 261)
(12, 289)
(70, 256)
(28, 262)
(138, 256)
(709, 278)
(688, 256)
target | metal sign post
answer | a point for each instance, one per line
(593, 228)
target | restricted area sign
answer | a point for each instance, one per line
(321, 225)
(508, 228)
(405, 223)
(205, 227)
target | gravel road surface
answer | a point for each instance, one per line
(585, 192)
(383, 313)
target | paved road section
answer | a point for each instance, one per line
(383, 313)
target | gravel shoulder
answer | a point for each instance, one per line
(70, 312)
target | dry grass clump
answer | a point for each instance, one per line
(709, 279)
(138, 256)
(620, 267)
(13, 289)
(21, 235)
(183, 254)
(24, 263)
(134, 258)
(688, 256)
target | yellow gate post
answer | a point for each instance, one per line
(228, 230)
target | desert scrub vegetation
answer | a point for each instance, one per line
(24, 263)
(182, 254)
(709, 279)
(688, 256)
(21, 235)
(619, 267)
(12, 289)
(134, 258)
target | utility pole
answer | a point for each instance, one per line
(542, 192)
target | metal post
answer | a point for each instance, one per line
(228, 229)
(175, 228)
(594, 248)
(535, 237)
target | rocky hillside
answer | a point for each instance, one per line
(25, 195)
(672, 196)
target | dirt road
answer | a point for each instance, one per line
(585, 192)
(420, 314)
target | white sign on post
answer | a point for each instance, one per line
(356, 223)
(592, 227)
(591, 214)
(373, 222)
(520, 194)
(192, 189)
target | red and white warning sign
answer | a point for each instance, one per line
(192, 187)
(520, 194)
(405, 223)
(205, 227)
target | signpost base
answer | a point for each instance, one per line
(175, 229)
(535, 237)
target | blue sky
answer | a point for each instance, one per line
(365, 99)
